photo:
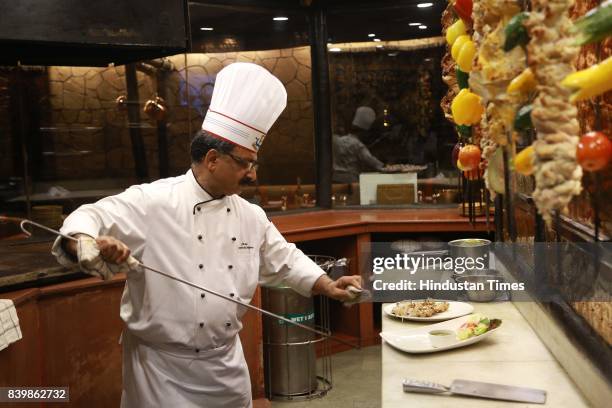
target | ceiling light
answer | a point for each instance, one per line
(280, 18)
(414, 24)
(423, 5)
(422, 27)
(371, 35)
(377, 39)
(206, 28)
(335, 49)
(379, 46)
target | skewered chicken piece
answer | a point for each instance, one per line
(551, 54)
(493, 70)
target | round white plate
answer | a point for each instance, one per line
(455, 309)
(417, 340)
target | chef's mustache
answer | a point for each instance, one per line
(247, 182)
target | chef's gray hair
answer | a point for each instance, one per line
(203, 142)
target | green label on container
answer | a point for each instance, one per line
(298, 318)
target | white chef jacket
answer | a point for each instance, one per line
(226, 244)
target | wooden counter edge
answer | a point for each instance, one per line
(21, 296)
(80, 285)
(358, 225)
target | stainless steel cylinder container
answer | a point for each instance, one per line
(289, 351)
(473, 248)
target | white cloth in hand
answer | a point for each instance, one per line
(91, 261)
(357, 295)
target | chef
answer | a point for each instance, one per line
(180, 345)
(350, 154)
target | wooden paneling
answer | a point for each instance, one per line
(251, 338)
(20, 362)
(367, 332)
(81, 347)
(70, 338)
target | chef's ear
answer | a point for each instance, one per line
(211, 159)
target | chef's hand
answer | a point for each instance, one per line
(112, 250)
(103, 257)
(337, 289)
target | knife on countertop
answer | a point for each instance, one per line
(478, 389)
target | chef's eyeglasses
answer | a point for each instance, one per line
(249, 165)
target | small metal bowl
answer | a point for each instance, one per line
(485, 295)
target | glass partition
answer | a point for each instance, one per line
(392, 144)
(72, 135)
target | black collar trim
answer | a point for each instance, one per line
(195, 207)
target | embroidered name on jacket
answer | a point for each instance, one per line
(244, 245)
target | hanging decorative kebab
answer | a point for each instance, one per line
(518, 64)
(498, 62)
(463, 107)
(551, 56)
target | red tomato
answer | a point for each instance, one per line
(463, 8)
(594, 151)
(469, 157)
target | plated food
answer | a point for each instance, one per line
(441, 336)
(427, 310)
(476, 325)
(403, 168)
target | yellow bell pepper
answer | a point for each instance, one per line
(590, 82)
(466, 56)
(466, 108)
(524, 161)
(454, 31)
(459, 42)
(523, 83)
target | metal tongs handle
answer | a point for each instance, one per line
(24, 222)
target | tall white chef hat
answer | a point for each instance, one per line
(364, 117)
(246, 101)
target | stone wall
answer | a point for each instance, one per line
(288, 152)
(90, 134)
(401, 85)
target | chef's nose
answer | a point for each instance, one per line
(252, 174)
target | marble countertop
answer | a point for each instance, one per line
(514, 355)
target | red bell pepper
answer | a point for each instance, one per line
(463, 8)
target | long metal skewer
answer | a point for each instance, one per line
(24, 222)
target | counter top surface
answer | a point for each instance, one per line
(514, 355)
(439, 219)
(22, 260)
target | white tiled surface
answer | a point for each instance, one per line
(514, 355)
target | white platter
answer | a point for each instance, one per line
(455, 309)
(417, 340)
